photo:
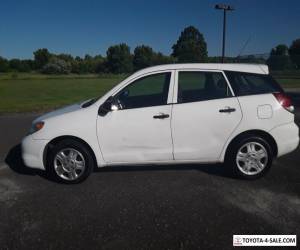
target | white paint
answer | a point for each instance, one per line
(132, 135)
(264, 111)
(200, 130)
(194, 132)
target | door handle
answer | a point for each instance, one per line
(227, 110)
(161, 116)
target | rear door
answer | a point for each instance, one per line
(204, 116)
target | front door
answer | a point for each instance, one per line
(140, 130)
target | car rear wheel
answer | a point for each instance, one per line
(250, 158)
(70, 162)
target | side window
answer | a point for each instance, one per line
(251, 84)
(146, 92)
(196, 86)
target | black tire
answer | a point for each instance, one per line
(84, 151)
(231, 156)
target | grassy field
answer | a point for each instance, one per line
(35, 93)
(42, 93)
(289, 83)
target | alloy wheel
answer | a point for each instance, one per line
(252, 158)
(69, 164)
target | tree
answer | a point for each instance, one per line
(20, 65)
(66, 57)
(57, 66)
(294, 52)
(248, 59)
(119, 59)
(99, 64)
(190, 47)
(143, 57)
(88, 64)
(159, 59)
(4, 65)
(279, 58)
(41, 58)
(27, 65)
(93, 64)
(77, 66)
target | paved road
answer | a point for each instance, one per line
(182, 207)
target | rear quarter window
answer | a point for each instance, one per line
(251, 84)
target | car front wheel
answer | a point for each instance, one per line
(70, 162)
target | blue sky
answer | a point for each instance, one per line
(79, 27)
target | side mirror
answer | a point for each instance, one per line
(105, 107)
(111, 104)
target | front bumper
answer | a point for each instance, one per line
(32, 152)
(286, 137)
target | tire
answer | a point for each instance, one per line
(249, 158)
(70, 162)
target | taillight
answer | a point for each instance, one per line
(285, 101)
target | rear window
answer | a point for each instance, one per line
(251, 84)
(195, 86)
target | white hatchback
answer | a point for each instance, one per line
(170, 114)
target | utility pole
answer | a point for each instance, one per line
(225, 8)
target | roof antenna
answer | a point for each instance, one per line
(245, 45)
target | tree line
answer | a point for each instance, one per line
(283, 57)
(189, 48)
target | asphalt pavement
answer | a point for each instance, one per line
(161, 207)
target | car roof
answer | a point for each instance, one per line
(240, 67)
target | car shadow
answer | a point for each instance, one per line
(211, 169)
(15, 163)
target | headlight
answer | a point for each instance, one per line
(36, 127)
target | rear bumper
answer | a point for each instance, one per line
(32, 152)
(286, 137)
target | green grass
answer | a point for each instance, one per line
(288, 82)
(36, 93)
(41, 94)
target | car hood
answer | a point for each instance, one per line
(61, 111)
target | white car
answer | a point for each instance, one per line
(170, 114)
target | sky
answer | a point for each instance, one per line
(80, 27)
